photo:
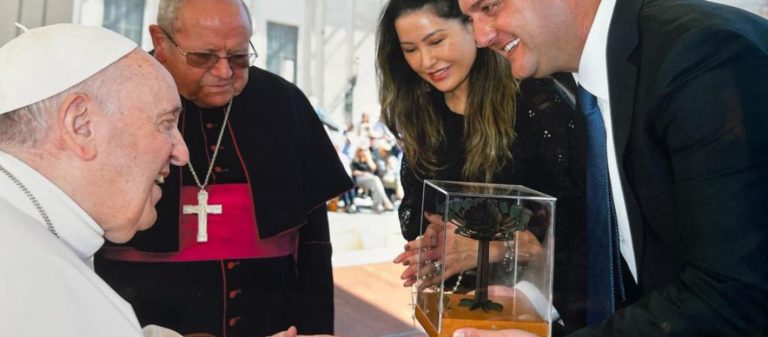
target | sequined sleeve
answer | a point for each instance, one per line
(413, 188)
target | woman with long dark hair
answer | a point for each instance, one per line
(459, 115)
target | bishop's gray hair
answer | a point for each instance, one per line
(168, 14)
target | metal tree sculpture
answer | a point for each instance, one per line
(486, 220)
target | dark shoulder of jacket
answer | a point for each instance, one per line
(264, 82)
(539, 93)
(669, 20)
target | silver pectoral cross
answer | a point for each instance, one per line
(202, 209)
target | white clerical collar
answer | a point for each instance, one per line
(75, 227)
(593, 71)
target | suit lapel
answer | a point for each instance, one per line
(623, 70)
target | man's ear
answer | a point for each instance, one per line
(75, 122)
(159, 41)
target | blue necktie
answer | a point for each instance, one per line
(601, 224)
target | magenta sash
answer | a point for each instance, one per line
(231, 235)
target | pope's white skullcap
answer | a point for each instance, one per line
(46, 61)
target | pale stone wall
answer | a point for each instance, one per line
(759, 7)
(335, 54)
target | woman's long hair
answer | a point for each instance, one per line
(407, 101)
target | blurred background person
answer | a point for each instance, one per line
(364, 175)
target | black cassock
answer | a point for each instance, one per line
(276, 150)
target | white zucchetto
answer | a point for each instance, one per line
(46, 61)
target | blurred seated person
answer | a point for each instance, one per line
(365, 129)
(390, 177)
(348, 197)
(363, 173)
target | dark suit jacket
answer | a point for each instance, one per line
(689, 100)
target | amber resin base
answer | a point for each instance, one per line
(515, 315)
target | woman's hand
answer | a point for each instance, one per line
(460, 252)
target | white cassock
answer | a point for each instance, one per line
(47, 284)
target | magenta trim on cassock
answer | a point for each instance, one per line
(231, 235)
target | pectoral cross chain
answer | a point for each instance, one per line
(202, 209)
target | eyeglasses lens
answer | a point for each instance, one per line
(207, 60)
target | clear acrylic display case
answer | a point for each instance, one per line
(485, 259)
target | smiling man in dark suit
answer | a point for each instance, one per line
(680, 138)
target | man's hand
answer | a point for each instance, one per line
(292, 332)
(158, 331)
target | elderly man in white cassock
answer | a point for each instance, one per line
(88, 129)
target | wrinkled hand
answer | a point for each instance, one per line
(472, 332)
(158, 331)
(292, 332)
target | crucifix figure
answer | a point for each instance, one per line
(202, 209)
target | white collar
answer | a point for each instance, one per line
(593, 71)
(74, 226)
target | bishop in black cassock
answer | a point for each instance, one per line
(266, 264)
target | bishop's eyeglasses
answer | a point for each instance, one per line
(206, 60)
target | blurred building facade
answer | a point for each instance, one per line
(326, 47)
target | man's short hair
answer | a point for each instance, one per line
(168, 14)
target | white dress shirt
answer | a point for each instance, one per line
(593, 76)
